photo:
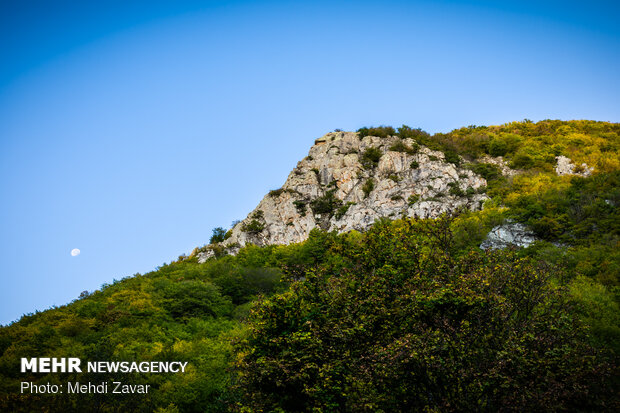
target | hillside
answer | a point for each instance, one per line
(361, 285)
(347, 182)
(351, 179)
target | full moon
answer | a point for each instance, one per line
(75, 252)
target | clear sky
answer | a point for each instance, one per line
(130, 129)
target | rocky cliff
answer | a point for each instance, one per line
(346, 183)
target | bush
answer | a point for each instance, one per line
(405, 132)
(370, 157)
(379, 131)
(255, 226)
(274, 193)
(218, 235)
(455, 189)
(301, 207)
(414, 165)
(522, 160)
(368, 186)
(452, 157)
(408, 325)
(497, 147)
(326, 204)
(401, 147)
(343, 210)
(488, 171)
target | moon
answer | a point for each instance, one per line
(75, 252)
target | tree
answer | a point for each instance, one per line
(218, 235)
(411, 325)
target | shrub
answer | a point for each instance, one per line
(255, 225)
(401, 147)
(522, 160)
(326, 204)
(301, 207)
(488, 171)
(498, 147)
(406, 132)
(414, 165)
(370, 157)
(452, 157)
(379, 131)
(413, 199)
(455, 189)
(408, 325)
(343, 210)
(218, 235)
(368, 186)
(274, 193)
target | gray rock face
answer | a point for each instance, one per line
(510, 233)
(336, 188)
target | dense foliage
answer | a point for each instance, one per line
(399, 320)
(409, 316)
(182, 311)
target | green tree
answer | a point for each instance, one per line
(410, 325)
(218, 235)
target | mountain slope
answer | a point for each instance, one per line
(351, 179)
(340, 321)
(347, 182)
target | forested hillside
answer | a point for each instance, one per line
(411, 315)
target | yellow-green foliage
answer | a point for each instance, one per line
(535, 145)
(183, 311)
(570, 211)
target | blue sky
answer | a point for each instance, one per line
(130, 129)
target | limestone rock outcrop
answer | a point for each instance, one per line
(508, 234)
(346, 183)
(564, 166)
